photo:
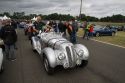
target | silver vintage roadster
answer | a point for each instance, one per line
(56, 50)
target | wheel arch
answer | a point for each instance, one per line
(50, 55)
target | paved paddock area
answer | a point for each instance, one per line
(106, 65)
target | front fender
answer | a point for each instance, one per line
(49, 53)
(84, 48)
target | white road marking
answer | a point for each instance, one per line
(105, 42)
(108, 43)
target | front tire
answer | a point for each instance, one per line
(97, 34)
(2, 69)
(83, 63)
(47, 67)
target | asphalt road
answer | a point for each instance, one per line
(106, 65)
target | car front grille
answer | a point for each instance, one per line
(74, 56)
(70, 56)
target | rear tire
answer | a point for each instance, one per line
(47, 67)
(113, 33)
(25, 33)
(34, 50)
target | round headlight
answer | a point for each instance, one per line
(80, 53)
(61, 56)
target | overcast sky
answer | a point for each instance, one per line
(98, 8)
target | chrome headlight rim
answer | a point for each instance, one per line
(80, 53)
(61, 56)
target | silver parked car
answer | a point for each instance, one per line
(56, 50)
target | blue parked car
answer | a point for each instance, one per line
(100, 31)
(22, 25)
(124, 28)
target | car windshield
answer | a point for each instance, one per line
(97, 27)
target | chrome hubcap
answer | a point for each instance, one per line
(97, 34)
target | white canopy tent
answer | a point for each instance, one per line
(4, 18)
(34, 19)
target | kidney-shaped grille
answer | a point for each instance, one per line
(69, 56)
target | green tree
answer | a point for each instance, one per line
(18, 15)
(7, 14)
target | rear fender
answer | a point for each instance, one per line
(33, 43)
(35, 40)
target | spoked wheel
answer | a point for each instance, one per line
(47, 67)
(97, 34)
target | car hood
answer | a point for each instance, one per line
(53, 39)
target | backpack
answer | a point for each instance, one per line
(10, 36)
(75, 26)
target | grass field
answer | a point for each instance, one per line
(119, 39)
(108, 23)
